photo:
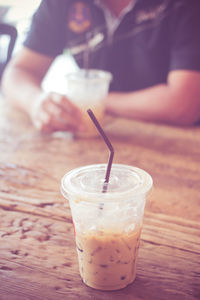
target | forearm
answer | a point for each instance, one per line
(149, 104)
(177, 102)
(21, 88)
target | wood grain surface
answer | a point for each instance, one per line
(37, 249)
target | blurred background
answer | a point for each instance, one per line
(17, 15)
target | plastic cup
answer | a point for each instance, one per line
(88, 89)
(107, 225)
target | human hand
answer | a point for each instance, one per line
(54, 112)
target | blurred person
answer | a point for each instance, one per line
(152, 48)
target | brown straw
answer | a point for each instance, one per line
(110, 147)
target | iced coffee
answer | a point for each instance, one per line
(107, 260)
(107, 225)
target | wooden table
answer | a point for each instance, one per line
(37, 249)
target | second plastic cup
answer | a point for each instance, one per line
(88, 89)
(107, 225)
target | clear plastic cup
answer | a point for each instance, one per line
(107, 225)
(88, 89)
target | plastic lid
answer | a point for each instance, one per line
(87, 182)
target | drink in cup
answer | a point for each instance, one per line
(88, 89)
(107, 225)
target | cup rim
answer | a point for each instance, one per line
(142, 189)
(103, 74)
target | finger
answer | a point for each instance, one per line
(66, 121)
(43, 122)
(67, 105)
(51, 108)
(43, 127)
(58, 125)
(62, 119)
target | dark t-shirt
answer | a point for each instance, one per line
(155, 37)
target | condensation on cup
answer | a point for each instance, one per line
(88, 90)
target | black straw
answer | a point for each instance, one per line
(110, 147)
